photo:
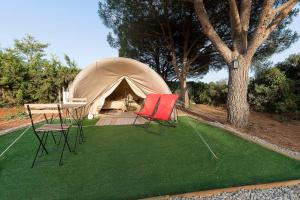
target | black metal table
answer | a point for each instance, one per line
(76, 111)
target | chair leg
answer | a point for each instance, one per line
(80, 139)
(171, 124)
(44, 142)
(63, 149)
(66, 138)
(41, 141)
(80, 124)
(62, 152)
(147, 126)
(135, 120)
(36, 154)
(77, 132)
(53, 137)
(38, 149)
(81, 131)
(59, 138)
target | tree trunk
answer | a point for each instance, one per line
(237, 104)
(184, 95)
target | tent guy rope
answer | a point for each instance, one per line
(15, 141)
(203, 140)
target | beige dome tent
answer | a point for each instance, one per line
(110, 83)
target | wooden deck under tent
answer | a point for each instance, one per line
(116, 117)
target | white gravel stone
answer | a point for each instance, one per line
(276, 193)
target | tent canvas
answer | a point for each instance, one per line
(112, 79)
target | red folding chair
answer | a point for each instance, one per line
(166, 105)
(149, 106)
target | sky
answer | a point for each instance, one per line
(73, 27)
(69, 26)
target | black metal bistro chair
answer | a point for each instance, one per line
(42, 132)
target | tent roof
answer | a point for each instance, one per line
(100, 76)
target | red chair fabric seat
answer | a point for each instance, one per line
(149, 105)
(165, 107)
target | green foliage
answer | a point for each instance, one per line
(291, 68)
(272, 91)
(28, 75)
(209, 93)
(213, 93)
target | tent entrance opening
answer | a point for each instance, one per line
(123, 98)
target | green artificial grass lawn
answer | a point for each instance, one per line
(126, 162)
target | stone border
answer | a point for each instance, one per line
(284, 151)
(208, 193)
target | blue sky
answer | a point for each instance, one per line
(73, 27)
(69, 26)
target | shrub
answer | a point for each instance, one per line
(209, 93)
(270, 91)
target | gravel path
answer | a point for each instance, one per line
(277, 193)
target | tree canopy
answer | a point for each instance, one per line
(141, 29)
(28, 74)
(168, 36)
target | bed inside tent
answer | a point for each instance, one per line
(123, 98)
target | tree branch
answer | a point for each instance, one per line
(210, 32)
(245, 14)
(272, 18)
(192, 45)
(235, 17)
(196, 69)
(185, 45)
(288, 6)
(173, 52)
(194, 58)
(284, 6)
(245, 20)
(264, 19)
(236, 27)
